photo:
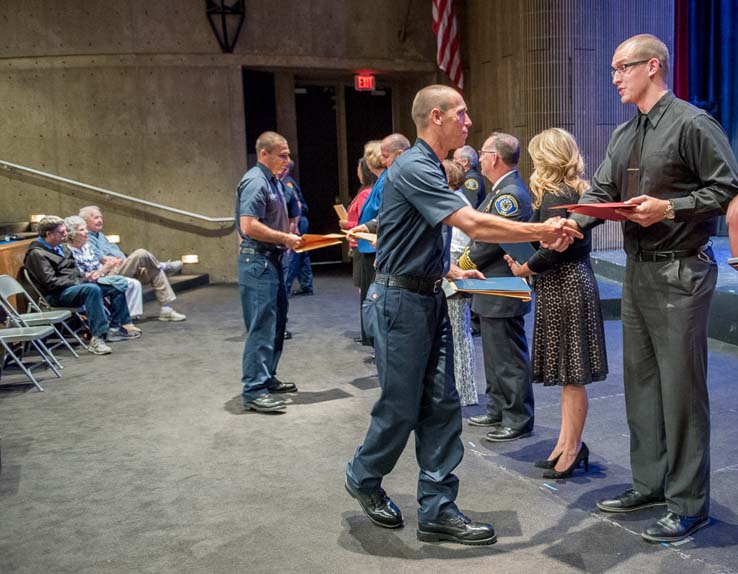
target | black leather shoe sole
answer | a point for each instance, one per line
(261, 409)
(442, 536)
(507, 439)
(616, 510)
(368, 514)
(677, 537)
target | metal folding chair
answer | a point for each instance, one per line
(9, 287)
(13, 337)
(39, 302)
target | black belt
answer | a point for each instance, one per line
(654, 256)
(273, 254)
(416, 284)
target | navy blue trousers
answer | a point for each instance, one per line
(414, 354)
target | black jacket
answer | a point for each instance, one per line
(51, 272)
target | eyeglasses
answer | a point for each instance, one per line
(481, 151)
(622, 67)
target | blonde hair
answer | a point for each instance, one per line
(373, 154)
(454, 173)
(557, 164)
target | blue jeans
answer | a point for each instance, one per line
(299, 265)
(414, 354)
(90, 296)
(264, 307)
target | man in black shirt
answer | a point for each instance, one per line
(674, 162)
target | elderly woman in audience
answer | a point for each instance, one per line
(568, 336)
(459, 308)
(96, 271)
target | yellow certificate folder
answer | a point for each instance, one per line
(515, 287)
(340, 212)
(312, 241)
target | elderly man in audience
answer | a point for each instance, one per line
(140, 264)
(95, 270)
(51, 265)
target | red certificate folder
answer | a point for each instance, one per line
(599, 210)
(312, 241)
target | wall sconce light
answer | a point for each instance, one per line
(113, 238)
(36, 217)
(191, 258)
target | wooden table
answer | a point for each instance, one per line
(11, 257)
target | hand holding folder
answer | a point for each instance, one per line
(599, 210)
(311, 241)
(515, 287)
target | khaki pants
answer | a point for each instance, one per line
(143, 266)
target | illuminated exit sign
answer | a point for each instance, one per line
(363, 83)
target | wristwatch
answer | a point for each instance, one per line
(669, 211)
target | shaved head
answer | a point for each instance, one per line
(645, 47)
(435, 96)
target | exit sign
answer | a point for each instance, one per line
(363, 83)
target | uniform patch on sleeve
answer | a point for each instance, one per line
(290, 185)
(471, 184)
(506, 205)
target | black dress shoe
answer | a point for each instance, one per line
(287, 335)
(484, 421)
(358, 339)
(377, 506)
(283, 387)
(457, 528)
(674, 527)
(265, 404)
(630, 501)
(505, 434)
(299, 292)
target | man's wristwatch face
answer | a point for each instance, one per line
(669, 211)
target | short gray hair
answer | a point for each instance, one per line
(48, 224)
(469, 154)
(73, 222)
(507, 148)
(87, 210)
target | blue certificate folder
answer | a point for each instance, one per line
(520, 252)
(516, 287)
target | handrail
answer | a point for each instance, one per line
(12, 166)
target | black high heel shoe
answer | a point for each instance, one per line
(547, 463)
(582, 457)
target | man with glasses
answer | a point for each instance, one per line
(261, 215)
(674, 162)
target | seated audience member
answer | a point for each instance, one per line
(140, 264)
(459, 304)
(52, 268)
(568, 334)
(100, 272)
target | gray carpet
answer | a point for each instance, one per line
(144, 462)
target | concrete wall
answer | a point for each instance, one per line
(137, 97)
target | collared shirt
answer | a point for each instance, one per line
(416, 200)
(290, 185)
(101, 247)
(260, 194)
(58, 249)
(685, 158)
(496, 185)
(370, 210)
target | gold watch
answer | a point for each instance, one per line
(669, 211)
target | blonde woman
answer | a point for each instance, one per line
(568, 336)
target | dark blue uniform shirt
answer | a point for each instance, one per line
(416, 200)
(261, 195)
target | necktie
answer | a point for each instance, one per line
(634, 162)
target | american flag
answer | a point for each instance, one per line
(448, 53)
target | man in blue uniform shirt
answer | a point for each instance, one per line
(405, 311)
(473, 188)
(502, 319)
(261, 213)
(299, 263)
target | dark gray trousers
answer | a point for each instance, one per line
(507, 370)
(664, 311)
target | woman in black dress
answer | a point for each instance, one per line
(568, 336)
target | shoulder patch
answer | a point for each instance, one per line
(506, 204)
(290, 185)
(471, 184)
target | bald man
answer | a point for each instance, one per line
(405, 311)
(673, 161)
